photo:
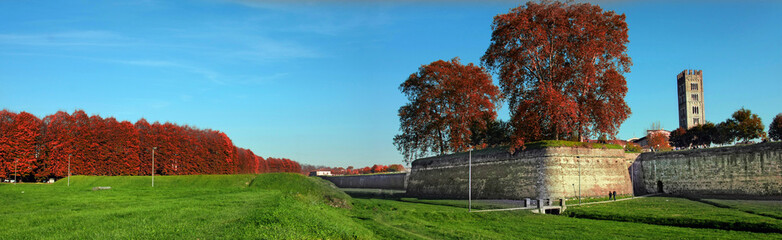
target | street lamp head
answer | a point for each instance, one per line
(154, 148)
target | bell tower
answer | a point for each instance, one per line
(690, 88)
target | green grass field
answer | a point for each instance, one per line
(291, 206)
(765, 208)
(677, 212)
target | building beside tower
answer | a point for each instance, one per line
(690, 86)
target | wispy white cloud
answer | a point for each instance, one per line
(254, 80)
(72, 38)
(270, 49)
(206, 73)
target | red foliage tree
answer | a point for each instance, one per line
(98, 146)
(658, 141)
(19, 144)
(6, 143)
(448, 102)
(396, 168)
(561, 66)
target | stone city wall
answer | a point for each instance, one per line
(540, 173)
(376, 181)
(750, 170)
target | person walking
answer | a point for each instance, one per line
(614, 195)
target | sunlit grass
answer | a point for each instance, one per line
(292, 206)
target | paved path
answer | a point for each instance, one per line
(505, 209)
(610, 201)
(548, 207)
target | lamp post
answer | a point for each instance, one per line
(16, 170)
(469, 182)
(578, 160)
(153, 166)
(69, 170)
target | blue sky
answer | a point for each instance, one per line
(317, 82)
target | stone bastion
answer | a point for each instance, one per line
(554, 172)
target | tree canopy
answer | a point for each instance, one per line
(448, 102)
(746, 125)
(31, 148)
(658, 141)
(775, 128)
(560, 67)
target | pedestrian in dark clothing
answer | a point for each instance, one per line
(609, 195)
(614, 195)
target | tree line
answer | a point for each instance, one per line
(742, 126)
(350, 170)
(38, 149)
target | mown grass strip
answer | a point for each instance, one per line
(677, 212)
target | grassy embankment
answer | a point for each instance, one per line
(206, 206)
(282, 206)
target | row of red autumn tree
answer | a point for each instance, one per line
(38, 149)
(350, 170)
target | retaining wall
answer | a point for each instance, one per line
(750, 170)
(378, 181)
(541, 173)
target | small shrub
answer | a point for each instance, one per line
(632, 148)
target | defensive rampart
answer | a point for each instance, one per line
(377, 181)
(540, 173)
(751, 170)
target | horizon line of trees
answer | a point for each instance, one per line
(38, 149)
(742, 126)
(350, 170)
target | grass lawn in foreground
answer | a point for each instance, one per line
(279, 206)
(391, 219)
(677, 212)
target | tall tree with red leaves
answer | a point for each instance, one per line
(560, 67)
(19, 144)
(448, 102)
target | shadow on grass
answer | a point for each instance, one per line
(366, 193)
(400, 195)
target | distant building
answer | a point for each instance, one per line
(644, 141)
(320, 173)
(690, 89)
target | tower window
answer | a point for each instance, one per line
(696, 120)
(694, 109)
(693, 86)
(694, 97)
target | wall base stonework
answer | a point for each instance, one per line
(740, 171)
(396, 181)
(541, 173)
